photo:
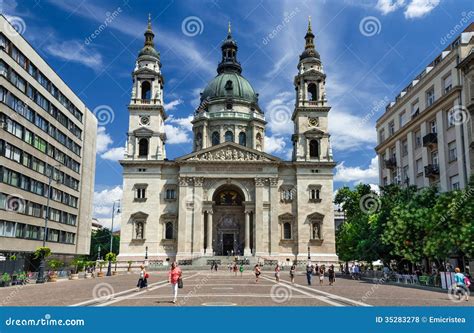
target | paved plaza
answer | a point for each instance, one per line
(203, 288)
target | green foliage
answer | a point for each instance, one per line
(111, 257)
(6, 277)
(22, 276)
(42, 252)
(12, 257)
(54, 264)
(101, 238)
(78, 263)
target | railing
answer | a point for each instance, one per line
(146, 101)
(312, 103)
(430, 139)
(431, 170)
(391, 163)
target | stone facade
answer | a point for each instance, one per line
(228, 196)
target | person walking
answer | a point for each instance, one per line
(292, 273)
(309, 272)
(234, 268)
(215, 267)
(257, 271)
(241, 269)
(212, 266)
(277, 273)
(462, 284)
(321, 275)
(331, 275)
(174, 277)
(142, 280)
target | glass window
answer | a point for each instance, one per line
(286, 230)
(215, 138)
(430, 97)
(454, 182)
(169, 230)
(229, 136)
(447, 83)
(452, 152)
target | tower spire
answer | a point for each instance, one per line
(309, 23)
(228, 30)
(149, 35)
(149, 21)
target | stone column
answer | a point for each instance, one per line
(442, 152)
(182, 228)
(209, 233)
(198, 230)
(247, 251)
(274, 236)
(258, 221)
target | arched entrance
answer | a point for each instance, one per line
(228, 221)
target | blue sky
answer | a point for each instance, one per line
(370, 49)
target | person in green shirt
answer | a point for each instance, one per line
(241, 269)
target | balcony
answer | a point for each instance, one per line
(431, 170)
(391, 163)
(146, 101)
(430, 140)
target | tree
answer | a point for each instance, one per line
(101, 238)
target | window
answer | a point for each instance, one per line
(316, 230)
(452, 152)
(287, 230)
(169, 230)
(381, 136)
(419, 166)
(454, 183)
(418, 141)
(430, 97)
(314, 148)
(434, 157)
(242, 139)
(391, 127)
(402, 119)
(170, 194)
(215, 138)
(404, 148)
(314, 193)
(143, 147)
(405, 178)
(447, 83)
(312, 92)
(7, 229)
(415, 109)
(146, 90)
(451, 118)
(140, 193)
(433, 128)
(229, 136)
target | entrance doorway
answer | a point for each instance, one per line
(227, 243)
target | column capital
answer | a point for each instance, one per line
(198, 181)
(185, 181)
(273, 181)
(260, 181)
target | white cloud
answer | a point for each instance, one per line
(357, 175)
(349, 132)
(182, 122)
(274, 144)
(388, 6)
(419, 8)
(114, 154)
(176, 134)
(103, 203)
(76, 51)
(103, 149)
(173, 104)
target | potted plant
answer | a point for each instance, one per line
(78, 265)
(110, 258)
(54, 264)
(6, 279)
(101, 265)
(12, 257)
(129, 269)
(22, 278)
(89, 266)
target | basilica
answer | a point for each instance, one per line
(227, 197)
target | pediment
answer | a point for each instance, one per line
(143, 131)
(229, 151)
(139, 215)
(315, 216)
(315, 132)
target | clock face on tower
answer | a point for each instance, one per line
(313, 122)
(144, 120)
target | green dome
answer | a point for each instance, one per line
(149, 51)
(230, 85)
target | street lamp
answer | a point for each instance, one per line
(109, 268)
(98, 254)
(40, 277)
(146, 252)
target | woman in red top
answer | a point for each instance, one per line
(174, 276)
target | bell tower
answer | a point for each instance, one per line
(310, 117)
(146, 134)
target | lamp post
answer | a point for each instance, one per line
(40, 277)
(146, 252)
(309, 253)
(98, 254)
(109, 267)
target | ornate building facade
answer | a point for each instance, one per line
(228, 196)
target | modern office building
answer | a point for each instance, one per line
(425, 136)
(47, 147)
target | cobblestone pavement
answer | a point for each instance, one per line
(220, 289)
